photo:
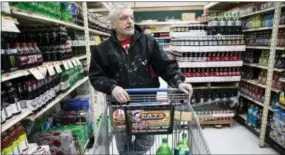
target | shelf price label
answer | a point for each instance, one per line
(65, 65)
(43, 70)
(50, 70)
(74, 62)
(36, 73)
(70, 64)
(57, 68)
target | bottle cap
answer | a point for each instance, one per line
(164, 140)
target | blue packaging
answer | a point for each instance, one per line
(76, 104)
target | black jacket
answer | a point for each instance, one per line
(111, 65)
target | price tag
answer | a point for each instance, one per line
(36, 73)
(43, 70)
(70, 64)
(74, 62)
(57, 68)
(51, 70)
(65, 65)
(78, 62)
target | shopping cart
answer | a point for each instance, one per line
(150, 115)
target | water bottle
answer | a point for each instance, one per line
(254, 114)
(249, 114)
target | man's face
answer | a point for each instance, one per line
(124, 22)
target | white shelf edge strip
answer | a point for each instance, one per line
(208, 48)
(58, 99)
(264, 47)
(213, 79)
(210, 64)
(258, 29)
(255, 101)
(99, 32)
(262, 67)
(255, 82)
(25, 72)
(15, 119)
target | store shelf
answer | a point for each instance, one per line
(255, 65)
(210, 64)
(208, 48)
(15, 119)
(213, 79)
(92, 43)
(162, 38)
(259, 12)
(262, 67)
(99, 32)
(17, 13)
(184, 34)
(258, 29)
(264, 48)
(25, 72)
(242, 118)
(58, 99)
(167, 23)
(254, 101)
(221, 5)
(254, 82)
(275, 145)
(32, 148)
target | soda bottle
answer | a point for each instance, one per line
(164, 148)
(183, 146)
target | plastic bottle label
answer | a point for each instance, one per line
(9, 111)
(3, 115)
(31, 104)
(14, 108)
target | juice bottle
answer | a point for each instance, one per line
(164, 148)
(14, 137)
(6, 145)
(22, 137)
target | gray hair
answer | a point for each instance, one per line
(113, 11)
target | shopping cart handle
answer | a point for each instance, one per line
(146, 90)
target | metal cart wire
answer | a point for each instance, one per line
(123, 129)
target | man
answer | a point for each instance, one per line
(131, 59)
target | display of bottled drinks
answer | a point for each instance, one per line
(192, 28)
(208, 72)
(58, 10)
(251, 56)
(209, 56)
(160, 34)
(252, 91)
(254, 7)
(209, 40)
(29, 93)
(276, 83)
(281, 37)
(97, 22)
(225, 24)
(14, 141)
(277, 124)
(254, 116)
(262, 38)
(182, 147)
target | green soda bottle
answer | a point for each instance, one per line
(182, 146)
(164, 148)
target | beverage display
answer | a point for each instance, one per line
(208, 72)
(224, 24)
(277, 124)
(254, 7)
(14, 141)
(262, 38)
(254, 115)
(97, 22)
(164, 148)
(161, 34)
(281, 36)
(209, 40)
(194, 29)
(206, 56)
(252, 91)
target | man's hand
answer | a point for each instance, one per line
(120, 95)
(186, 88)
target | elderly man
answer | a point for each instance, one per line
(131, 59)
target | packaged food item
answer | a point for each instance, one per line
(119, 119)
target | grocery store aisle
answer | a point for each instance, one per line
(236, 140)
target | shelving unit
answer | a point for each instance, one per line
(33, 19)
(256, 83)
